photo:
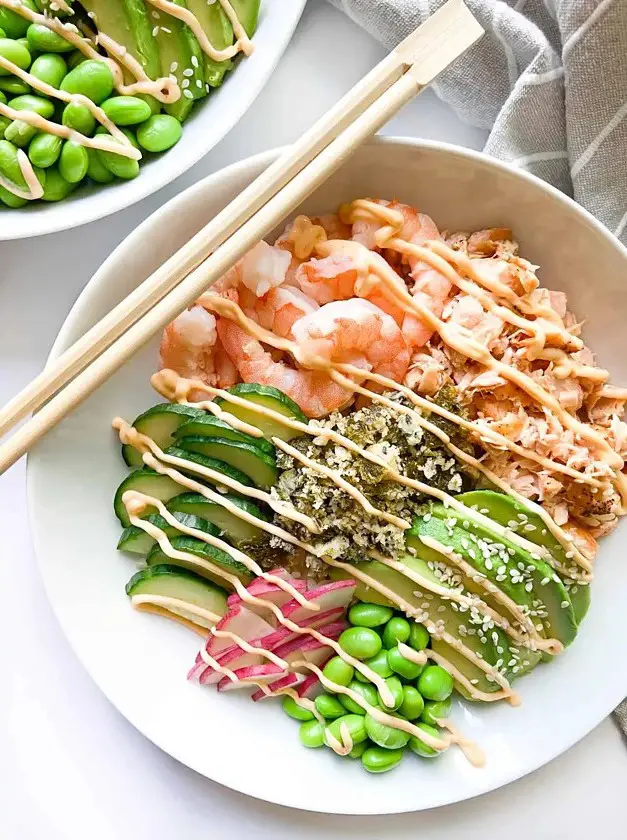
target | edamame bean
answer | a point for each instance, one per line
(435, 683)
(329, 706)
(96, 170)
(365, 690)
(5, 122)
(311, 734)
(74, 162)
(126, 110)
(75, 58)
(14, 25)
(56, 187)
(3, 34)
(418, 636)
(436, 710)
(16, 53)
(369, 615)
(360, 642)
(338, 671)
(422, 749)
(3, 98)
(9, 165)
(120, 166)
(13, 86)
(159, 133)
(355, 725)
(379, 664)
(49, 68)
(396, 687)
(45, 149)
(291, 708)
(30, 102)
(396, 630)
(92, 78)
(377, 760)
(385, 736)
(403, 667)
(359, 749)
(20, 133)
(45, 40)
(11, 200)
(79, 118)
(413, 703)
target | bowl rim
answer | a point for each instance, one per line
(587, 723)
(62, 220)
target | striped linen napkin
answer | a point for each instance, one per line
(549, 79)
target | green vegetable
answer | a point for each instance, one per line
(435, 683)
(369, 615)
(436, 710)
(9, 165)
(49, 68)
(96, 170)
(291, 708)
(355, 725)
(44, 40)
(413, 703)
(234, 529)
(126, 110)
(137, 541)
(119, 165)
(92, 78)
(338, 671)
(145, 481)
(311, 734)
(379, 664)
(5, 122)
(44, 149)
(75, 58)
(377, 760)
(56, 187)
(403, 667)
(396, 630)
(329, 706)
(174, 582)
(267, 397)
(159, 133)
(419, 747)
(396, 687)
(74, 162)
(203, 557)
(360, 642)
(20, 133)
(207, 425)
(13, 86)
(419, 637)
(11, 200)
(366, 690)
(359, 749)
(249, 458)
(79, 118)
(15, 53)
(385, 736)
(14, 25)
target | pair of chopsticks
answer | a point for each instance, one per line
(276, 193)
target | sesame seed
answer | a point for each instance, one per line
(188, 72)
(565, 605)
(188, 94)
(194, 61)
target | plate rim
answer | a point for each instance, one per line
(586, 722)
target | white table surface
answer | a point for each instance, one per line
(70, 766)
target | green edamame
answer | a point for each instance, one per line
(396, 630)
(5, 122)
(126, 110)
(378, 760)
(365, 690)
(369, 615)
(354, 724)
(79, 118)
(311, 734)
(14, 25)
(403, 667)
(396, 687)
(13, 86)
(291, 708)
(159, 133)
(121, 167)
(436, 710)
(11, 200)
(419, 637)
(44, 40)
(9, 165)
(329, 706)
(3, 34)
(56, 187)
(419, 747)
(74, 162)
(92, 78)
(338, 671)
(45, 149)
(49, 68)
(30, 102)
(75, 58)
(20, 133)
(379, 664)
(359, 749)
(3, 98)
(96, 170)
(385, 736)
(413, 703)
(16, 53)
(360, 642)
(435, 683)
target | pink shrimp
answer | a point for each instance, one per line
(279, 310)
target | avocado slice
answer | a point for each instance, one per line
(218, 29)
(527, 579)
(128, 23)
(504, 510)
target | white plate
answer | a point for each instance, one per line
(211, 120)
(140, 661)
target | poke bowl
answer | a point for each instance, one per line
(487, 599)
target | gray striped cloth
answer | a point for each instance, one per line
(549, 79)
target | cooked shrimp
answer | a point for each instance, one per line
(279, 310)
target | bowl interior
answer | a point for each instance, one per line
(207, 125)
(140, 662)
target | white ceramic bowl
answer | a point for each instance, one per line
(211, 120)
(140, 661)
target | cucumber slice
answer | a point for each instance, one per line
(159, 423)
(171, 581)
(210, 426)
(204, 552)
(247, 457)
(231, 527)
(136, 541)
(268, 397)
(208, 463)
(146, 481)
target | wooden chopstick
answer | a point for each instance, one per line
(417, 61)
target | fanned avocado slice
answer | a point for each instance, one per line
(507, 511)
(218, 29)
(128, 23)
(181, 57)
